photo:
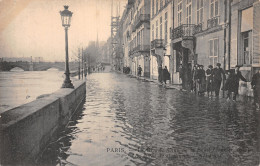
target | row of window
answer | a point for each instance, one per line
(244, 58)
(214, 10)
(156, 7)
(159, 28)
(137, 40)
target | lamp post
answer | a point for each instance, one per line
(66, 18)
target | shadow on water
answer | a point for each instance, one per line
(125, 121)
(56, 152)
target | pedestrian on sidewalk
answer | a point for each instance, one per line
(218, 73)
(139, 69)
(233, 82)
(228, 84)
(194, 75)
(165, 75)
(209, 80)
(256, 88)
(181, 72)
(201, 80)
(160, 73)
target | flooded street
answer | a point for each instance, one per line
(125, 121)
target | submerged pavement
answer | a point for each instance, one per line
(125, 121)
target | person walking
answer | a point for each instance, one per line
(181, 72)
(233, 83)
(139, 71)
(256, 88)
(218, 73)
(209, 80)
(160, 74)
(201, 80)
(165, 75)
(194, 75)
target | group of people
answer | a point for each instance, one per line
(210, 80)
(126, 70)
(163, 74)
(207, 81)
(98, 68)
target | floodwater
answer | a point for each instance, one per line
(126, 122)
(19, 87)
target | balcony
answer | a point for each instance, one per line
(213, 22)
(157, 43)
(133, 28)
(130, 53)
(184, 31)
(142, 48)
(142, 18)
(198, 28)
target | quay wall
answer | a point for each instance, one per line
(26, 130)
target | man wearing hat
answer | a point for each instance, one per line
(234, 83)
(217, 73)
(209, 80)
(256, 87)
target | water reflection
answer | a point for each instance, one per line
(17, 69)
(128, 122)
(58, 151)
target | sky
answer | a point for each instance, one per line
(33, 27)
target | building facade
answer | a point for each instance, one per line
(126, 20)
(198, 36)
(245, 39)
(136, 36)
(182, 33)
(160, 36)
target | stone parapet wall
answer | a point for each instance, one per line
(26, 130)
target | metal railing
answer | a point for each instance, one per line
(142, 18)
(213, 22)
(157, 43)
(131, 52)
(133, 27)
(184, 30)
(198, 28)
(142, 48)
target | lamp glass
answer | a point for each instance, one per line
(66, 17)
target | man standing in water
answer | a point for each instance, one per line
(165, 75)
(256, 87)
(217, 78)
(234, 79)
(209, 80)
(139, 70)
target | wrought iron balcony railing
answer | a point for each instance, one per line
(133, 27)
(184, 30)
(131, 52)
(213, 22)
(142, 48)
(142, 18)
(157, 43)
(198, 28)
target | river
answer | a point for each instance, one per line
(19, 87)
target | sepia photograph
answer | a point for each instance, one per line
(129, 82)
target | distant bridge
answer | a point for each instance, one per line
(37, 66)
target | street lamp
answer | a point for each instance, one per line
(66, 18)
